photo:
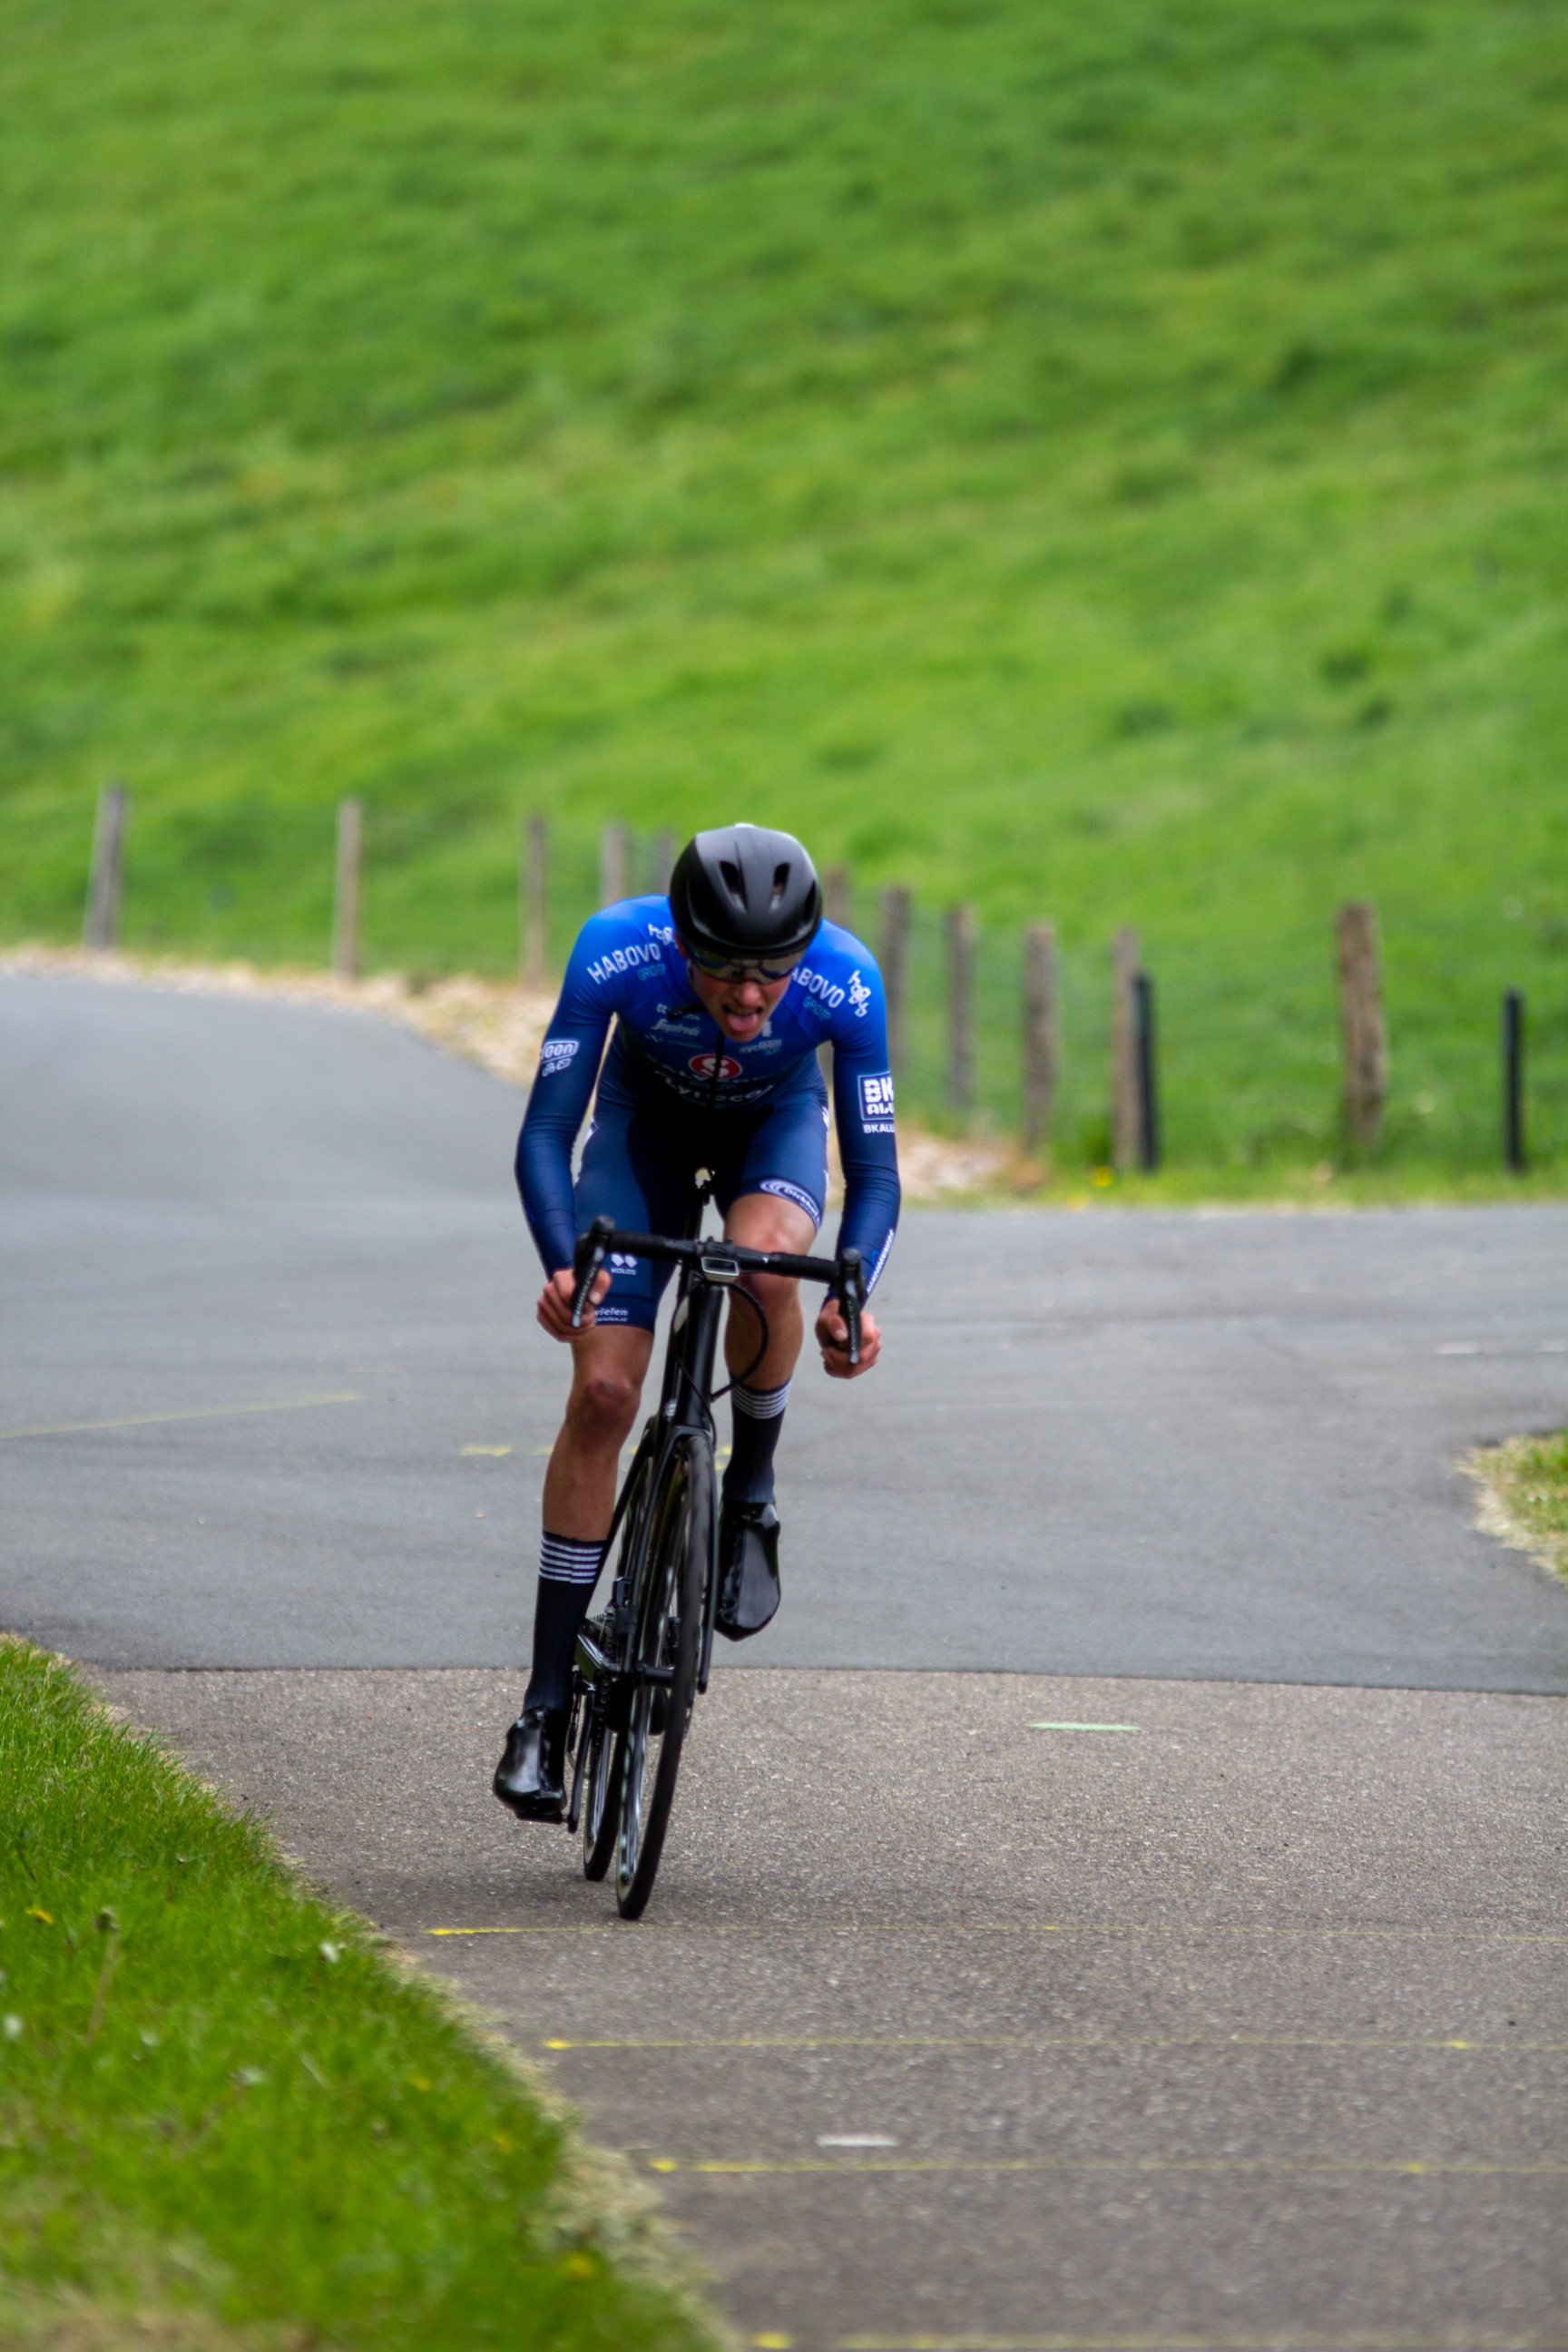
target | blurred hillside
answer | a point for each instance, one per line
(1108, 463)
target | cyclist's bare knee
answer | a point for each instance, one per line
(774, 1293)
(762, 1221)
(607, 1386)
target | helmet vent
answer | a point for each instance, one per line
(734, 879)
(781, 884)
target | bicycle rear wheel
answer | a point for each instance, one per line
(668, 1637)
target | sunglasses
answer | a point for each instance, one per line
(730, 968)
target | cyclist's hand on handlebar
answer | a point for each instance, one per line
(556, 1303)
(833, 1338)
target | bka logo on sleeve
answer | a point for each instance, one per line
(877, 1104)
(555, 1056)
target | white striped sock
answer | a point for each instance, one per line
(564, 1561)
(761, 1404)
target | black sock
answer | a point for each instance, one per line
(758, 1417)
(568, 1571)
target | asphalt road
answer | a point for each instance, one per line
(1098, 1444)
(955, 2025)
(1242, 2030)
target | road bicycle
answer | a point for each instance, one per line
(639, 1667)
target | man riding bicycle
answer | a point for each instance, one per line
(721, 995)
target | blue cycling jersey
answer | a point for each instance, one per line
(625, 966)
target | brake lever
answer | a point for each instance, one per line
(589, 1256)
(852, 1297)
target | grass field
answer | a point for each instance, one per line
(1524, 1496)
(1108, 466)
(227, 2121)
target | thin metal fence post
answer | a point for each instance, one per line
(100, 921)
(1366, 1036)
(1148, 1089)
(1040, 1055)
(345, 890)
(613, 865)
(961, 1008)
(896, 923)
(1126, 1139)
(1513, 1081)
(533, 890)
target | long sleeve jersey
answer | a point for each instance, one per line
(625, 968)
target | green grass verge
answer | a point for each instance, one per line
(222, 2107)
(1285, 1186)
(1524, 1496)
(1104, 465)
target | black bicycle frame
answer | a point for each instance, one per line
(708, 1269)
(682, 1413)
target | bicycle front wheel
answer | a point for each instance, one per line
(667, 1640)
(600, 1780)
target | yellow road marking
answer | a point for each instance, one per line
(999, 2164)
(191, 1413)
(486, 1449)
(1052, 2042)
(1007, 1927)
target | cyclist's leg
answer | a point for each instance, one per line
(762, 1221)
(609, 1366)
(772, 1200)
(629, 1175)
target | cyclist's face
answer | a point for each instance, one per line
(738, 1006)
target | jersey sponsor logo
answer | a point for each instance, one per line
(703, 1065)
(624, 960)
(818, 985)
(860, 994)
(555, 1055)
(795, 1193)
(620, 1263)
(877, 1104)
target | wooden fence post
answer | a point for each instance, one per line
(345, 891)
(1366, 1039)
(1148, 1073)
(836, 896)
(534, 898)
(100, 921)
(961, 1008)
(1514, 1156)
(664, 856)
(895, 913)
(1039, 1036)
(613, 865)
(1126, 1124)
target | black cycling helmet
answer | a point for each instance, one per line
(746, 894)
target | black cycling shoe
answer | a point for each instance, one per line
(748, 1569)
(532, 1775)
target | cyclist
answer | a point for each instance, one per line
(721, 995)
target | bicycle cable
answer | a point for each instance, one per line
(739, 1378)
